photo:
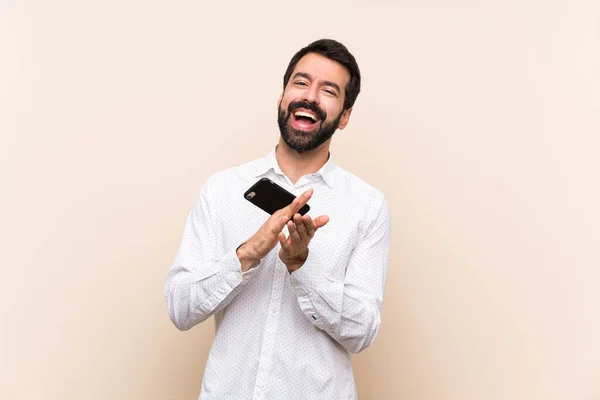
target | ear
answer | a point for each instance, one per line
(345, 118)
(279, 101)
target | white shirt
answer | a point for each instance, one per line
(280, 335)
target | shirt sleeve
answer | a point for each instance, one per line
(349, 310)
(200, 282)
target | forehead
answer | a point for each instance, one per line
(323, 69)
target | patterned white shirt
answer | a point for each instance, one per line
(280, 335)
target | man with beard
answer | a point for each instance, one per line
(293, 296)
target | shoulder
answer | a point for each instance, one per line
(231, 179)
(358, 189)
(361, 202)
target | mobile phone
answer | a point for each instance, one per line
(270, 197)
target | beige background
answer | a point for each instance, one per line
(479, 120)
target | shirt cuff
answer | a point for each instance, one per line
(232, 277)
(231, 269)
(304, 281)
(236, 269)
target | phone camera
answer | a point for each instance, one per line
(250, 195)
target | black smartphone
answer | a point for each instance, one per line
(271, 197)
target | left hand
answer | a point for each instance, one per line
(294, 248)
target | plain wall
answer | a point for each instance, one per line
(480, 121)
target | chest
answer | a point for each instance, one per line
(237, 219)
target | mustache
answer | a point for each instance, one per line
(308, 106)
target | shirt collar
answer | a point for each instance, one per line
(269, 162)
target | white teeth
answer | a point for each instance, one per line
(305, 114)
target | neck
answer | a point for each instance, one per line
(295, 165)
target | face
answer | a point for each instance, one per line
(311, 106)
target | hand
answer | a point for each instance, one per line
(265, 240)
(294, 248)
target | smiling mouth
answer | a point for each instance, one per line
(304, 120)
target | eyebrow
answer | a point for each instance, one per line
(326, 83)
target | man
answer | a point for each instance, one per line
(292, 299)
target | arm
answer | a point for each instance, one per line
(201, 282)
(348, 310)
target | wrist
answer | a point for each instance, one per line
(246, 256)
(296, 263)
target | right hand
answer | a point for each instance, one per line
(265, 240)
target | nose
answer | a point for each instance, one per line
(311, 94)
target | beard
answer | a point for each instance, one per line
(300, 140)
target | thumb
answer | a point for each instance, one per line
(321, 221)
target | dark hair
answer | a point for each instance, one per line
(334, 51)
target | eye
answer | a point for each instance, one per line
(329, 91)
(301, 83)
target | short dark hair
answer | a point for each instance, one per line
(334, 51)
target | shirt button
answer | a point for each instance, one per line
(280, 268)
(274, 311)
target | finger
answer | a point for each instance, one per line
(302, 229)
(309, 225)
(281, 217)
(284, 243)
(279, 222)
(299, 202)
(294, 235)
(321, 221)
